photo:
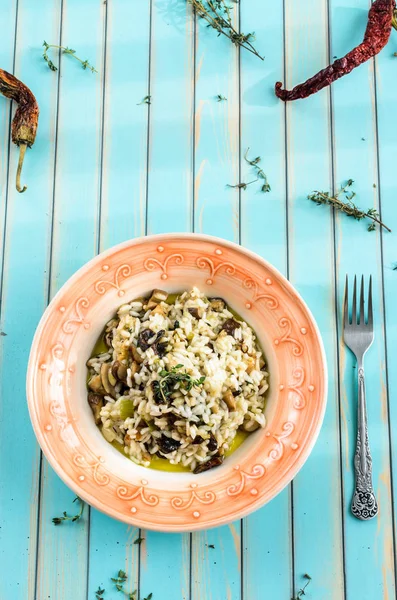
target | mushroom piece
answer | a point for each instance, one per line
(109, 388)
(156, 297)
(250, 426)
(144, 336)
(230, 326)
(212, 443)
(194, 311)
(119, 371)
(213, 462)
(217, 304)
(135, 355)
(96, 402)
(159, 310)
(95, 384)
(230, 400)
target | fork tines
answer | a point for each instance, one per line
(360, 318)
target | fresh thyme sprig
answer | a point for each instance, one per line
(65, 50)
(164, 387)
(99, 593)
(347, 205)
(120, 580)
(302, 592)
(66, 517)
(259, 172)
(260, 175)
(217, 13)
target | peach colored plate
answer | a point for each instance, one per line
(268, 459)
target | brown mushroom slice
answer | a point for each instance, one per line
(213, 462)
(135, 355)
(156, 297)
(217, 304)
(195, 312)
(230, 400)
(109, 388)
(159, 310)
(95, 384)
(119, 372)
(96, 403)
(134, 368)
(250, 426)
(230, 326)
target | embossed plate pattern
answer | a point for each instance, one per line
(261, 467)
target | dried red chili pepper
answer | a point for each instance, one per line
(24, 123)
(381, 17)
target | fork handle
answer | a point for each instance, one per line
(364, 505)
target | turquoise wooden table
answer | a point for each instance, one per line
(105, 168)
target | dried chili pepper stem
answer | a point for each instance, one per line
(381, 17)
(22, 150)
(25, 121)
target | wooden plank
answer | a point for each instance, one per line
(317, 509)
(267, 541)
(369, 570)
(386, 87)
(8, 13)
(78, 152)
(216, 572)
(28, 223)
(122, 216)
(165, 559)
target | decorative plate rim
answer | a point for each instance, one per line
(305, 451)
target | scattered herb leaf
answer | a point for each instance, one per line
(218, 15)
(145, 100)
(395, 267)
(260, 174)
(220, 98)
(302, 592)
(211, 546)
(2, 333)
(99, 593)
(394, 53)
(139, 540)
(66, 517)
(164, 387)
(347, 205)
(149, 597)
(120, 580)
(65, 50)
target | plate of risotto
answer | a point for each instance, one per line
(177, 382)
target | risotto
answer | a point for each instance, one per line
(180, 377)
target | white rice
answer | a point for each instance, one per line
(231, 363)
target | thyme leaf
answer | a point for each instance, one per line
(65, 50)
(139, 540)
(99, 593)
(302, 592)
(342, 200)
(145, 100)
(220, 98)
(242, 186)
(217, 14)
(66, 517)
(120, 580)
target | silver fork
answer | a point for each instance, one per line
(359, 335)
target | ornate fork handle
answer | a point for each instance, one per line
(364, 505)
